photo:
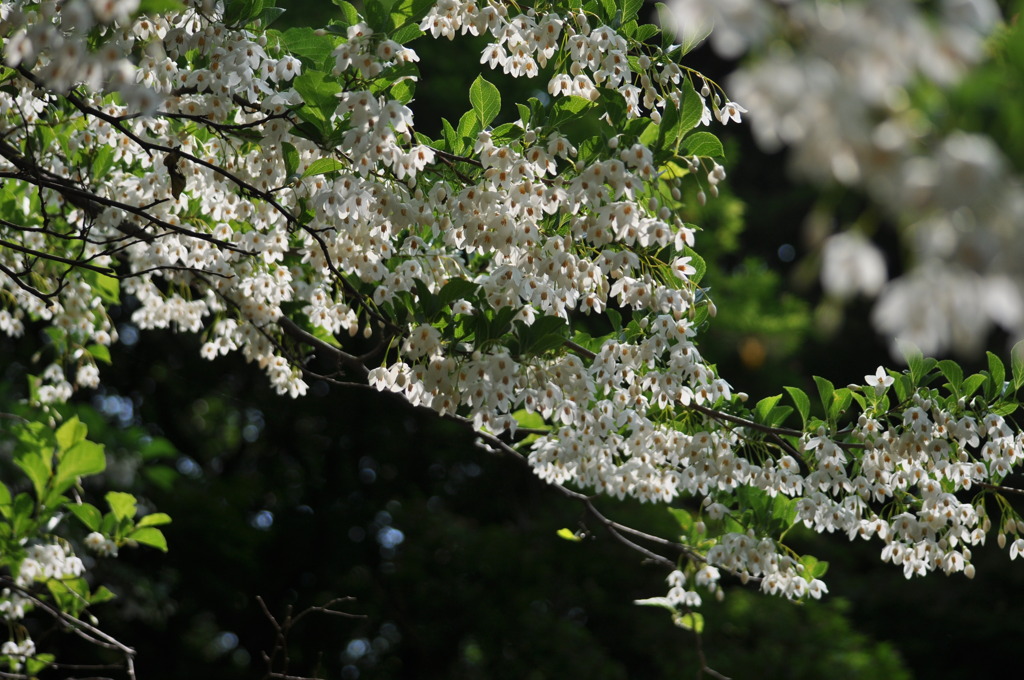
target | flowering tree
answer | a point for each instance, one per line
(531, 279)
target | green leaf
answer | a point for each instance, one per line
(485, 99)
(1017, 365)
(409, 12)
(240, 12)
(35, 664)
(103, 161)
(5, 500)
(309, 45)
(150, 536)
(953, 373)
(318, 95)
(70, 433)
(646, 32)
(841, 399)
(615, 317)
(919, 365)
(101, 594)
(765, 406)
(322, 166)
(670, 127)
(1004, 409)
(691, 621)
(630, 9)
(378, 15)
(84, 458)
(99, 353)
(546, 333)
(469, 127)
(349, 13)
(802, 402)
(692, 107)
(813, 567)
(87, 514)
(684, 518)
(406, 34)
(702, 143)
(106, 287)
(972, 384)
(998, 374)
(121, 504)
(532, 421)
(269, 15)
(778, 415)
(153, 7)
(566, 108)
(452, 140)
(662, 602)
(291, 159)
(158, 447)
(37, 467)
(825, 390)
(456, 289)
(568, 535)
(161, 475)
(404, 90)
(784, 511)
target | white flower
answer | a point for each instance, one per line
(880, 380)
(730, 111)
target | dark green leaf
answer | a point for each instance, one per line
(270, 14)
(378, 15)
(291, 159)
(456, 289)
(825, 390)
(953, 373)
(998, 374)
(802, 401)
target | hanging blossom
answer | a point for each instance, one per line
(272, 210)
